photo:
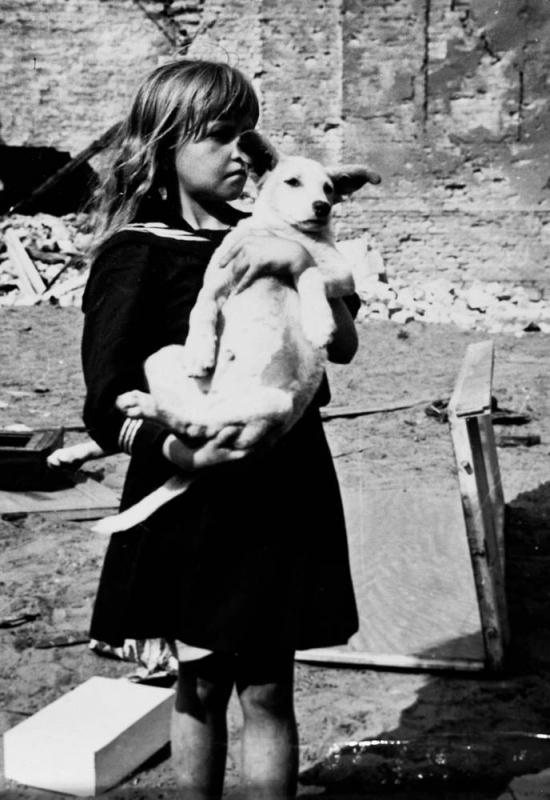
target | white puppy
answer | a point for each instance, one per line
(254, 358)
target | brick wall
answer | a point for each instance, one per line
(448, 99)
(68, 67)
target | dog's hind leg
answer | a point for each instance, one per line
(315, 311)
(137, 404)
(258, 410)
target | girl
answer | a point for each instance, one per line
(251, 562)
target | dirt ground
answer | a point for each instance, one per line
(50, 567)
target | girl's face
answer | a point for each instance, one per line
(213, 168)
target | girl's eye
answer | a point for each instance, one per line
(293, 182)
(222, 133)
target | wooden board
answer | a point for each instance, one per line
(413, 580)
(90, 738)
(428, 566)
(85, 500)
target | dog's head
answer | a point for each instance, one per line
(300, 191)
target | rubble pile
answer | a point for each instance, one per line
(43, 259)
(493, 307)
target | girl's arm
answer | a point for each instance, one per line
(344, 343)
(218, 450)
(117, 329)
(247, 259)
(256, 254)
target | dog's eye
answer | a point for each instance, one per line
(293, 182)
(328, 189)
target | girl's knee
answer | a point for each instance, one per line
(204, 686)
(266, 700)
(265, 684)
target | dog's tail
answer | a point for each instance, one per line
(142, 510)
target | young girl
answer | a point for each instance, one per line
(251, 563)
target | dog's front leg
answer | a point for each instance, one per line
(315, 310)
(202, 340)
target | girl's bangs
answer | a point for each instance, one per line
(229, 95)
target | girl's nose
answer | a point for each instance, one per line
(239, 154)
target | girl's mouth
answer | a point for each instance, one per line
(240, 173)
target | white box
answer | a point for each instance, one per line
(89, 739)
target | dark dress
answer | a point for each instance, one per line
(254, 554)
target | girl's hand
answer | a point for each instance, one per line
(257, 254)
(217, 450)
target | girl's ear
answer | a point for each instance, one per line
(350, 177)
(260, 151)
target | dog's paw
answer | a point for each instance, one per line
(137, 404)
(73, 456)
(318, 328)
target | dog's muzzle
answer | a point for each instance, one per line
(321, 209)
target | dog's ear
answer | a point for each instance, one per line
(350, 177)
(260, 151)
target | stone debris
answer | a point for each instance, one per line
(58, 246)
(493, 307)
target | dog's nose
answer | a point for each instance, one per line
(321, 209)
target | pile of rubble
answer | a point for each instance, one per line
(492, 306)
(43, 259)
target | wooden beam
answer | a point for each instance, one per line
(327, 655)
(30, 281)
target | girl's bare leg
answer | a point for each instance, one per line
(199, 728)
(270, 736)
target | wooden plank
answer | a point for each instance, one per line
(412, 574)
(30, 281)
(85, 500)
(331, 655)
(472, 392)
(484, 553)
(496, 492)
(89, 739)
(494, 543)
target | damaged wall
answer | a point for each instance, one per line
(67, 67)
(448, 99)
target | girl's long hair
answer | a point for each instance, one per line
(174, 104)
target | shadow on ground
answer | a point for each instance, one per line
(467, 737)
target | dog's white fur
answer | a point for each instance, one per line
(255, 358)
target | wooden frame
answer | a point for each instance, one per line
(481, 493)
(482, 502)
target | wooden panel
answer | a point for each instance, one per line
(412, 576)
(86, 500)
(89, 739)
